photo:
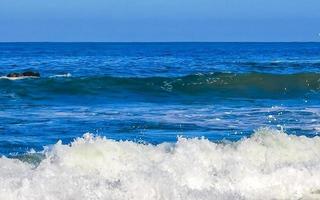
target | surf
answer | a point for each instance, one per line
(270, 164)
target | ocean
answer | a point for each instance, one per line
(160, 121)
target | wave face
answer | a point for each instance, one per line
(252, 85)
(269, 165)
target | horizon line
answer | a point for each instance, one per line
(159, 41)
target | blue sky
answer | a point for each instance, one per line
(159, 20)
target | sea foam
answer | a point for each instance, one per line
(269, 165)
(18, 78)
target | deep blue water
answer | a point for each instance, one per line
(153, 92)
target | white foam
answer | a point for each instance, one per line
(269, 165)
(17, 78)
(61, 75)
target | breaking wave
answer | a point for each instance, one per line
(269, 165)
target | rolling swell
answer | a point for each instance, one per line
(249, 85)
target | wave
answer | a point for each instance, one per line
(17, 78)
(255, 85)
(61, 75)
(269, 165)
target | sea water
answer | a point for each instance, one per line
(160, 121)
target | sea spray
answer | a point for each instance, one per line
(269, 165)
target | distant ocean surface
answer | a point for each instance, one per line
(160, 121)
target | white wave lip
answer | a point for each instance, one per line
(61, 75)
(269, 165)
(18, 78)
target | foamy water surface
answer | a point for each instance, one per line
(269, 165)
(167, 121)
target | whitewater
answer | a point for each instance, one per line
(163, 121)
(269, 165)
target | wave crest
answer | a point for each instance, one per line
(269, 165)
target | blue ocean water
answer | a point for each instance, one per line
(160, 121)
(154, 92)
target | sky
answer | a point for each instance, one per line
(159, 20)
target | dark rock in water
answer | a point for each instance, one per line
(13, 75)
(24, 74)
(30, 73)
